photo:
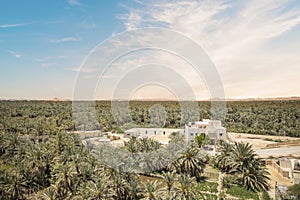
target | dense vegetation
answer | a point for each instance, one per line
(39, 160)
(61, 167)
(241, 166)
(45, 117)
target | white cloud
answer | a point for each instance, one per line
(65, 39)
(74, 3)
(237, 36)
(16, 55)
(46, 65)
(10, 25)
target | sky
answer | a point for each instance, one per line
(51, 48)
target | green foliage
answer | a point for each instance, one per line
(211, 187)
(242, 193)
(208, 196)
(135, 145)
(175, 137)
(241, 161)
(265, 196)
(293, 192)
(47, 117)
(190, 162)
(202, 139)
(38, 160)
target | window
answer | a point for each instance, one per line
(164, 132)
(221, 134)
(145, 132)
(154, 132)
(192, 134)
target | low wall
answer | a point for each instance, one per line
(282, 144)
(278, 169)
(296, 176)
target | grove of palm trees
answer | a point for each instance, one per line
(61, 167)
(40, 159)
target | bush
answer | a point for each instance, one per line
(242, 192)
(208, 196)
(208, 187)
(265, 196)
(228, 181)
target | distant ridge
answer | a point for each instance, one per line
(56, 99)
(59, 99)
(266, 99)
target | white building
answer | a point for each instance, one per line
(212, 128)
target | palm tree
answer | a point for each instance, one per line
(242, 157)
(100, 189)
(241, 160)
(152, 190)
(120, 187)
(186, 187)
(170, 179)
(15, 186)
(134, 187)
(223, 160)
(190, 162)
(255, 179)
(50, 193)
(131, 145)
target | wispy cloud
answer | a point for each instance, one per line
(65, 39)
(73, 69)
(236, 35)
(74, 3)
(46, 65)
(11, 25)
(16, 55)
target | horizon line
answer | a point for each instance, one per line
(161, 99)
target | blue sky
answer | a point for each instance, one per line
(254, 45)
(41, 40)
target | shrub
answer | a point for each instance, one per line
(208, 187)
(265, 196)
(242, 192)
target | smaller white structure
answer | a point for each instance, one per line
(147, 132)
(212, 128)
(290, 168)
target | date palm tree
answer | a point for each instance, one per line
(186, 187)
(190, 162)
(99, 190)
(152, 190)
(169, 179)
(223, 160)
(252, 172)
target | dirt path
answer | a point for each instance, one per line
(220, 183)
(259, 141)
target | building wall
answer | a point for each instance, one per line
(285, 163)
(296, 177)
(147, 132)
(279, 169)
(212, 128)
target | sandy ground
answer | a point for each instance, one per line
(161, 138)
(258, 141)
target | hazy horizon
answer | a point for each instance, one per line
(153, 99)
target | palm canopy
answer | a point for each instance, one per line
(240, 160)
